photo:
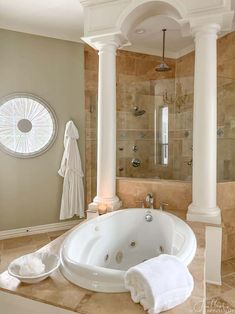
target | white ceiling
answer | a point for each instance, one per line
(63, 19)
(151, 40)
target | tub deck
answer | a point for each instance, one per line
(59, 292)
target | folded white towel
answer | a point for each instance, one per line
(31, 266)
(160, 283)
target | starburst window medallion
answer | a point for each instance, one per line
(27, 125)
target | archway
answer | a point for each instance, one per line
(139, 11)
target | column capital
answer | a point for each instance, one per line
(205, 29)
(211, 24)
(110, 42)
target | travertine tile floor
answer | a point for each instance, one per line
(220, 299)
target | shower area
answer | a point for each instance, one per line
(154, 119)
(155, 116)
(154, 129)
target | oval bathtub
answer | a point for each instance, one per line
(97, 253)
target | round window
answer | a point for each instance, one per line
(27, 126)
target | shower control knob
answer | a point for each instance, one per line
(190, 162)
(135, 162)
(135, 148)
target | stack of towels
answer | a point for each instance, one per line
(160, 283)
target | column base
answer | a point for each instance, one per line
(112, 203)
(209, 215)
(213, 254)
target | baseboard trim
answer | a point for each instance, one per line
(218, 283)
(13, 233)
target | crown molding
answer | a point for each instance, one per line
(150, 51)
(185, 51)
(116, 39)
(215, 7)
(89, 3)
(158, 52)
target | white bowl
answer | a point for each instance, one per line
(51, 261)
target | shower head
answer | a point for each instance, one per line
(163, 67)
(137, 112)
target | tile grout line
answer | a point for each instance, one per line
(225, 276)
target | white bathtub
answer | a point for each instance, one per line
(97, 253)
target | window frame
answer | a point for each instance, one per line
(50, 110)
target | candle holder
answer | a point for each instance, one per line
(102, 209)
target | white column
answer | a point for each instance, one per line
(106, 135)
(204, 203)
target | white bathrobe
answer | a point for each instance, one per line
(72, 202)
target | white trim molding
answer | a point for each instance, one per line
(13, 233)
(213, 254)
(158, 52)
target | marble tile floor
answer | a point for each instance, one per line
(220, 299)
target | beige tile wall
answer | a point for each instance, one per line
(91, 86)
(133, 191)
(226, 201)
(136, 86)
(226, 107)
(146, 91)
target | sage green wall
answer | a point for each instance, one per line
(30, 189)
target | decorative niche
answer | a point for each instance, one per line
(28, 125)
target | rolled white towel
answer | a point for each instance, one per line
(160, 283)
(31, 266)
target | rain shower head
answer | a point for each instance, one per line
(138, 112)
(163, 67)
